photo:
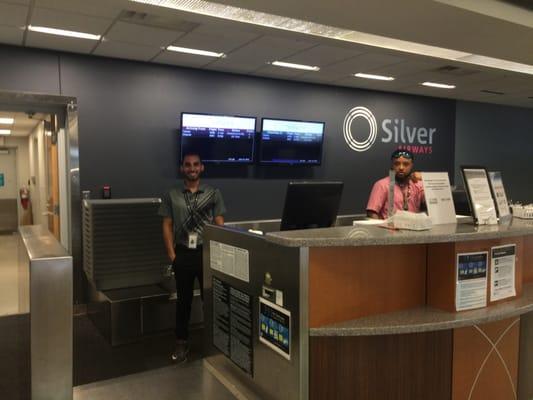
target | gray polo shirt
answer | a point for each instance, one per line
(191, 211)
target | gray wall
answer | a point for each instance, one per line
(129, 119)
(499, 138)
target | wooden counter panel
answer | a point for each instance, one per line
(401, 367)
(527, 259)
(351, 282)
(485, 361)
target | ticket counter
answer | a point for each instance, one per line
(365, 312)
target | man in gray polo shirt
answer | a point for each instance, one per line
(185, 210)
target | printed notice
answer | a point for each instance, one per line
(275, 327)
(438, 196)
(499, 194)
(480, 196)
(471, 287)
(233, 324)
(503, 265)
(230, 260)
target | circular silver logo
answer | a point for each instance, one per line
(365, 113)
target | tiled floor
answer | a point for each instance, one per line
(9, 284)
(189, 381)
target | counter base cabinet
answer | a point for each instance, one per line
(410, 366)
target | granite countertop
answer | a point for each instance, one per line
(424, 319)
(362, 235)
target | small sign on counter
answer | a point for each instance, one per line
(503, 265)
(471, 286)
(275, 327)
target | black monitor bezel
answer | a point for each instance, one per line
(222, 162)
(260, 144)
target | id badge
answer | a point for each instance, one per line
(192, 241)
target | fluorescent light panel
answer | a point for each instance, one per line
(195, 51)
(5, 131)
(296, 66)
(7, 121)
(438, 85)
(62, 32)
(216, 10)
(372, 76)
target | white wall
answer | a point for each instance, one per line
(23, 164)
(38, 171)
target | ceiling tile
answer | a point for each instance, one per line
(365, 63)
(140, 34)
(11, 35)
(126, 50)
(322, 55)
(182, 59)
(13, 15)
(42, 40)
(273, 71)
(215, 41)
(23, 2)
(362, 83)
(69, 21)
(95, 8)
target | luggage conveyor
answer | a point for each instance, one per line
(131, 289)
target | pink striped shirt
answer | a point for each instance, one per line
(378, 201)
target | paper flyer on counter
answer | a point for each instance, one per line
(480, 195)
(471, 287)
(503, 266)
(438, 195)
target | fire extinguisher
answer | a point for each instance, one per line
(24, 197)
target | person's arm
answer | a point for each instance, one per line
(372, 214)
(219, 220)
(219, 209)
(168, 238)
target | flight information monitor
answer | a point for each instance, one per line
(291, 142)
(218, 138)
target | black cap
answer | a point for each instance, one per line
(402, 153)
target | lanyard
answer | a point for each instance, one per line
(406, 197)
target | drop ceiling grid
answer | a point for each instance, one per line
(13, 15)
(182, 59)
(322, 55)
(95, 8)
(219, 43)
(11, 35)
(141, 35)
(69, 21)
(125, 50)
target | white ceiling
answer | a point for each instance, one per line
(141, 32)
(23, 125)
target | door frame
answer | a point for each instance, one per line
(66, 108)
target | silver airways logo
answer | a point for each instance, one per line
(418, 140)
(360, 112)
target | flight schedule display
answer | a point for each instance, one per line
(218, 138)
(291, 142)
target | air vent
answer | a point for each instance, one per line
(155, 21)
(491, 91)
(455, 71)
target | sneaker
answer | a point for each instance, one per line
(180, 354)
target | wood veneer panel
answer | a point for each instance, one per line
(528, 259)
(351, 282)
(479, 371)
(410, 366)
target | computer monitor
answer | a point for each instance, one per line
(289, 142)
(311, 205)
(218, 138)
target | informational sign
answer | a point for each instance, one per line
(233, 324)
(478, 189)
(275, 327)
(2, 180)
(438, 194)
(230, 260)
(503, 266)
(500, 198)
(471, 287)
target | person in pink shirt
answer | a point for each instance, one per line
(408, 189)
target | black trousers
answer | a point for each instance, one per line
(187, 267)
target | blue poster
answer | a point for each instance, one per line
(2, 180)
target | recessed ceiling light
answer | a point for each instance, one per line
(7, 121)
(195, 51)
(438, 85)
(372, 76)
(62, 32)
(248, 16)
(5, 131)
(295, 66)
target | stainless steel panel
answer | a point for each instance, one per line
(50, 271)
(525, 367)
(274, 376)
